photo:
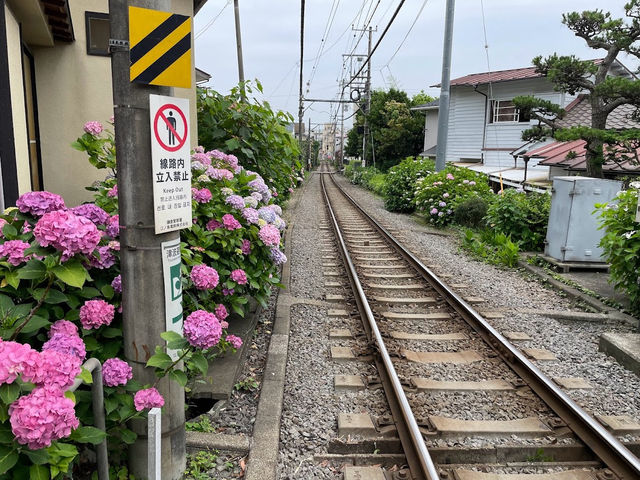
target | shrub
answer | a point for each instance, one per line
(491, 246)
(522, 216)
(621, 242)
(401, 181)
(253, 132)
(438, 194)
(471, 212)
(377, 182)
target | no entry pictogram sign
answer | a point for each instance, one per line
(170, 127)
(171, 162)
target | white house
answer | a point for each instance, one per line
(430, 126)
(485, 128)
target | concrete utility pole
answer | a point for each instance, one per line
(367, 92)
(300, 98)
(309, 146)
(443, 110)
(341, 134)
(236, 11)
(143, 301)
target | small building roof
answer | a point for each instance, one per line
(432, 105)
(579, 113)
(572, 156)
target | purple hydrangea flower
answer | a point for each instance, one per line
(116, 372)
(39, 203)
(92, 212)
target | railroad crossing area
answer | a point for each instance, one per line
(393, 355)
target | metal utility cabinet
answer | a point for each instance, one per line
(572, 233)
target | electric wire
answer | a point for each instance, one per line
(490, 90)
(407, 35)
(325, 35)
(212, 21)
(395, 14)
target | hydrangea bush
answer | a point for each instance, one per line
(438, 194)
(621, 242)
(60, 304)
(399, 190)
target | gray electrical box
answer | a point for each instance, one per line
(572, 233)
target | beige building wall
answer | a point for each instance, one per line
(21, 140)
(73, 88)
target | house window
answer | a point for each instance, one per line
(97, 26)
(505, 111)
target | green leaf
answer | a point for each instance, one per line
(71, 272)
(9, 392)
(33, 270)
(36, 323)
(200, 362)
(128, 436)
(111, 332)
(179, 376)
(53, 296)
(6, 435)
(89, 292)
(39, 457)
(160, 360)
(9, 231)
(38, 472)
(170, 336)
(12, 279)
(85, 375)
(91, 343)
(107, 291)
(91, 435)
(8, 458)
(178, 344)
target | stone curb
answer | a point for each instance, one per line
(237, 443)
(607, 313)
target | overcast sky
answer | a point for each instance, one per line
(517, 30)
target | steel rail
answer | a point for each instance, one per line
(612, 453)
(420, 462)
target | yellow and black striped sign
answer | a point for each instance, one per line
(160, 48)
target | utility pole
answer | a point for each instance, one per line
(236, 10)
(443, 110)
(357, 81)
(143, 301)
(300, 99)
(341, 134)
(309, 146)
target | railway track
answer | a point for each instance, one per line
(464, 402)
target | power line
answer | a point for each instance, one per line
(407, 35)
(330, 19)
(386, 29)
(213, 20)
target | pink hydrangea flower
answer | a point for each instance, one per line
(246, 247)
(232, 161)
(269, 235)
(239, 276)
(199, 149)
(201, 196)
(148, 398)
(95, 313)
(204, 277)
(224, 324)
(3, 222)
(449, 176)
(14, 251)
(70, 344)
(116, 372)
(13, 358)
(64, 327)
(229, 222)
(114, 245)
(221, 312)
(213, 224)
(41, 417)
(39, 203)
(93, 128)
(434, 211)
(236, 342)
(67, 232)
(107, 258)
(445, 195)
(219, 173)
(52, 368)
(250, 215)
(92, 212)
(201, 158)
(116, 284)
(113, 226)
(202, 329)
(113, 192)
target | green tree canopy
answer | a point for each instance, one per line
(605, 93)
(397, 131)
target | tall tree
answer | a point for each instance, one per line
(396, 130)
(605, 92)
